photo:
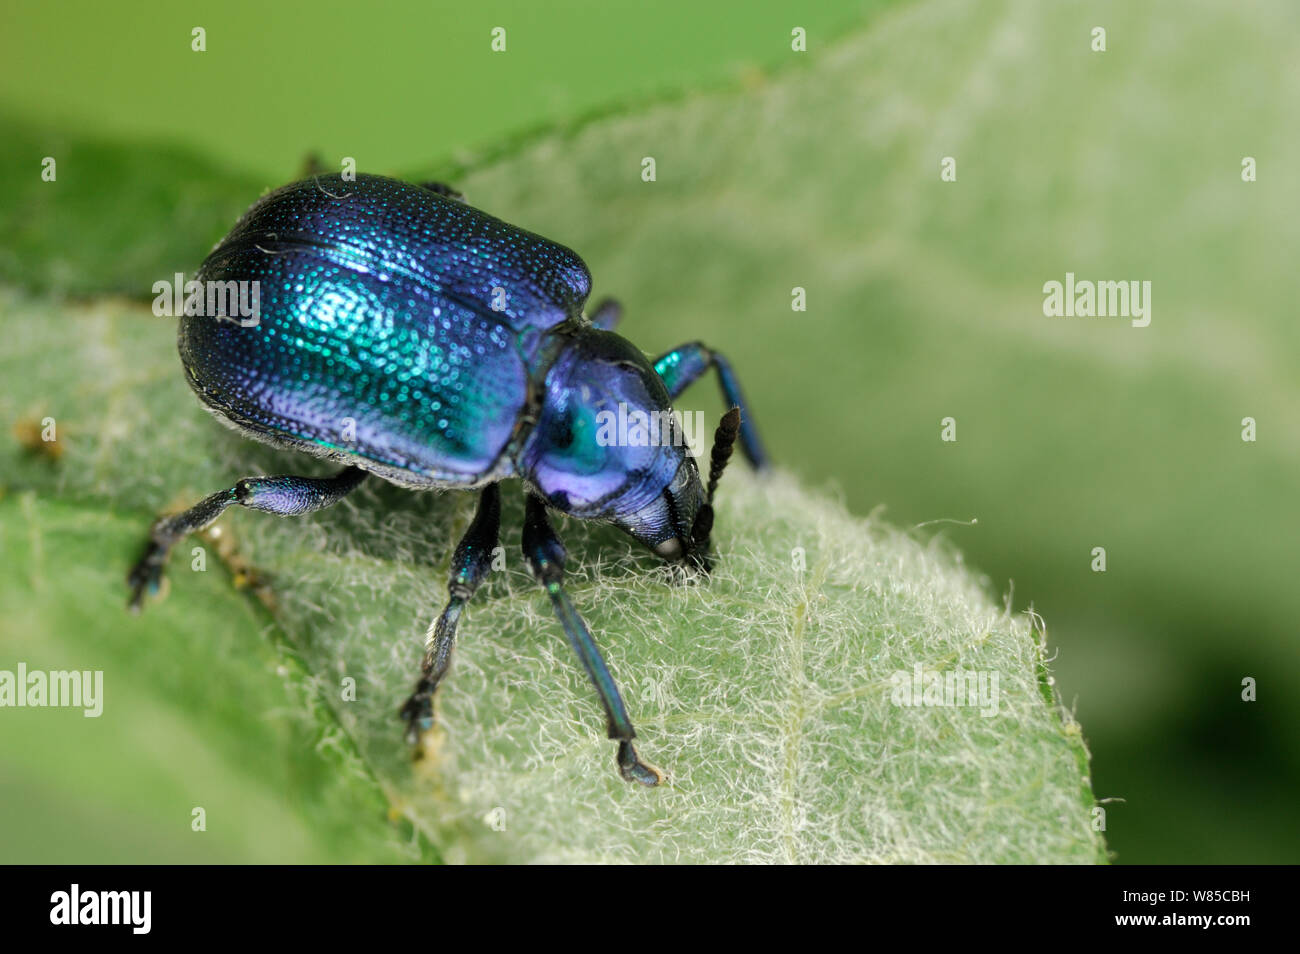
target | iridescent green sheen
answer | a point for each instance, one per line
(395, 330)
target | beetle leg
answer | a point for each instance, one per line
(312, 166)
(443, 189)
(545, 554)
(606, 315)
(686, 363)
(287, 496)
(469, 565)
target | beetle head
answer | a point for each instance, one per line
(607, 446)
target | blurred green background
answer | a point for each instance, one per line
(775, 169)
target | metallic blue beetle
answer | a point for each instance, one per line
(402, 333)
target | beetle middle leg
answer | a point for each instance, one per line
(686, 363)
(606, 314)
(545, 554)
(287, 496)
(471, 562)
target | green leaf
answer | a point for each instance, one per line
(114, 219)
(765, 693)
(199, 710)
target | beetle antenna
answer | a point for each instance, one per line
(724, 439)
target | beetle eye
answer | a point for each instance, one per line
(670, 549)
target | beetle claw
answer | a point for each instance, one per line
(633, 769)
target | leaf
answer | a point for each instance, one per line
(114, 219)
(198, 710)
(765, 693)
(824, 177)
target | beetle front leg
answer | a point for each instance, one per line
(469, 565)
(287, 496)
(684, 365)
(545, 554)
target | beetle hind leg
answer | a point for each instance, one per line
(469, 565)
(287, 496)
(441, 188)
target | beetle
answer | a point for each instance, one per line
(403, 333)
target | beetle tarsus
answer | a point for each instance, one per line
(633, 769)
(417, 711)
(145, 577)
